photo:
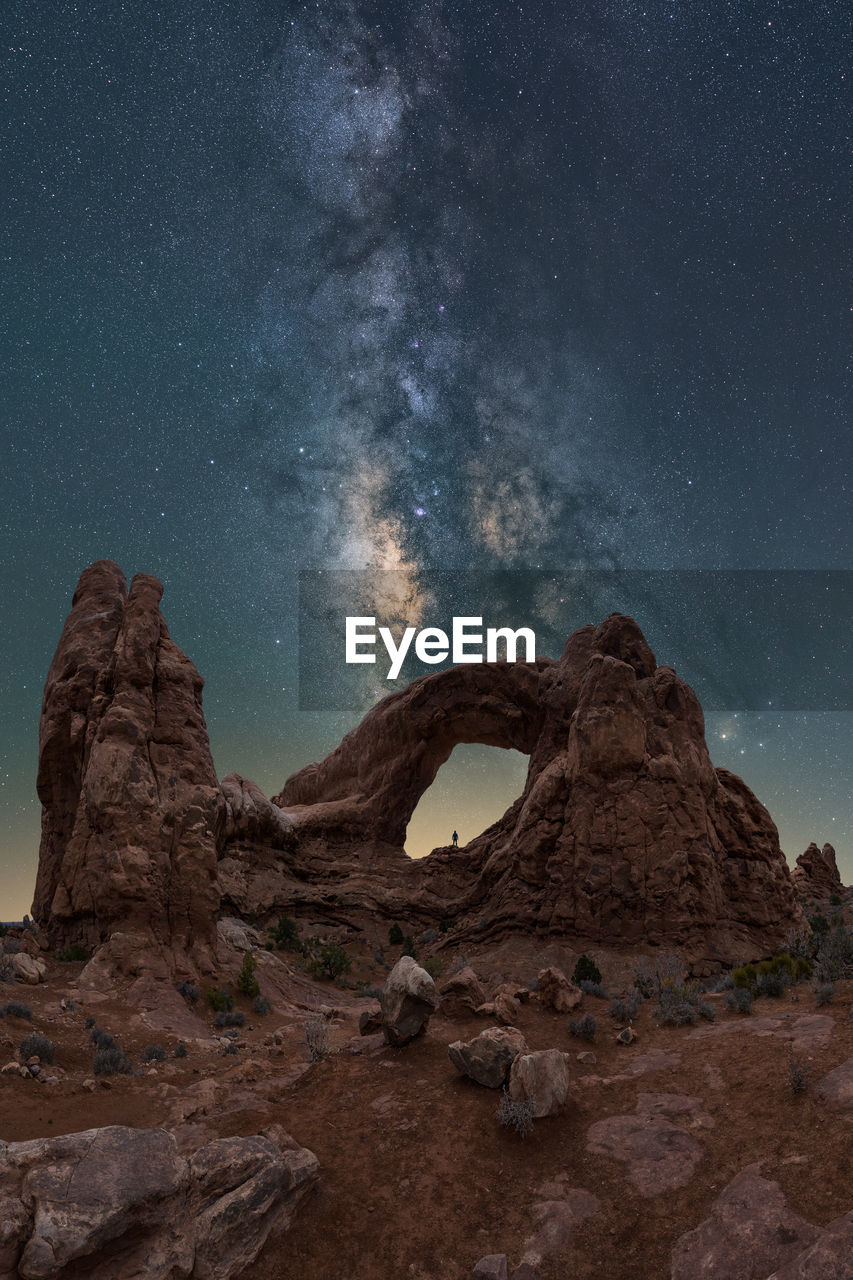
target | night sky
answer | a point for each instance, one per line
(419, 287)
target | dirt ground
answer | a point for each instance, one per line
(418, 1179)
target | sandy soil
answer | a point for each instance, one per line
(417, 1177)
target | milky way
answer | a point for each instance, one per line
(423, 288)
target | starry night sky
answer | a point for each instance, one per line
(416, 287)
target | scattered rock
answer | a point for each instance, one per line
(492, 1267)
(556, 992)
(660, 1154)
(829, 1258)
(408, 1000)
(506, 1008)
(542, 1076)
(558, 1212)
(750, 1232)
(461, 993)
(488, 1057)
(370, 1021)
(587, 1057)
(626, 1036)
(27, 969)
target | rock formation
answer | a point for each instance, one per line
(119, 1202)
(130, 798)
(625, 833)
(816, 877)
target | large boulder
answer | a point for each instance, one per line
(26, 968)
(488, 1057)
(461, 993)
(131, 805)
(119, 1202)
(408, 1000)
(556, 992)
(542, 1076)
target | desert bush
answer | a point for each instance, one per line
(3, 930)
(739, 999)
(818, 923)
(112, 1061)
(368, 991)
(824, 992)
(330, 962)
(220, 1001)
(102, 1039)
(180, 1050)
(770, 984)
(7, 971)
(189, 992)
(14, 1009)
(395, 935)
(434, 966)
(584, 1027)
(803, 969)
(674, 1009)
(225, 1018)
(444, 924)
(286, 934)
(516, 1113)
(798, 1075)
(586, 970)
(89, 1023)
(626, 1008)
(706, 1010)
(317, 1037)
(230, 1047)
(651, 976)
(153, 1053)
(835, 900)
(409, 947)
(744, 976)
(595, 989)
(261, 1005)
(834, 958)
(38, 1045)
(246, 980)
(71, 955)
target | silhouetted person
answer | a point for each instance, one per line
(455, 838)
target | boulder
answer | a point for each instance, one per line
(751, 1231)
(461, 993)
(488, 1057)
(542, 1076)
(118, 1202)
(556, 992)
(26, 968)
(829, 1258)
(408, 1000)
(659, 1152)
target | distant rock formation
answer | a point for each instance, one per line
(816, 876)
(625, 833)
(130, 798)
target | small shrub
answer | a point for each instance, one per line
(230, 1047)
(228, 1019)
(675, 1010)
(330, 962)
(261, 1005)
(286, 934)
(317, 1037)
(220, 1001)
(517, 1114)
(409, 947)
(368, 991)
(153, 1053)
(595, 989)
(626, 1008)
(102, 1039)
(444, 924)
(834, 959)
(37, 1045)
(803, 969)
(770, 984)
(434, 967)
(71, 955)
(112, 1061)
(246, 980)
(14, 1009)
(650, 978)
(818, 923)
(180, 1050)
(7, 972)
(586, 970)
(89, 1023)
(739, 999)
(744, 976)
(189, 992)
(824, 992)
(395, 935)
(584, 1027)
(706, 1010)
(798, 1075)
(3, 930)
(835, 900)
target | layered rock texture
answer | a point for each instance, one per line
(816, 877)
(130, 798)
(625, 833)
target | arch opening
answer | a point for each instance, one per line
(473, 789)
